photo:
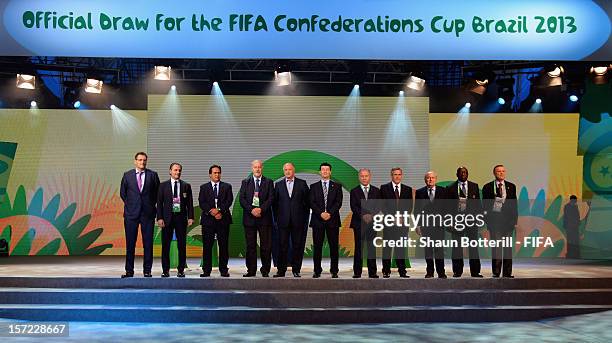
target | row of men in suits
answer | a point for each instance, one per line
(291, 202)
(460, 197)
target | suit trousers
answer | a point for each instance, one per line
(131, 235)
(178, 225)
(399, 254)
(364, 237)
(208, 237)
(265, 248)
(457, 252)
(318, 237)
(436, 253)
(293, 233)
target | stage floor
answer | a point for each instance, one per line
(112, 266)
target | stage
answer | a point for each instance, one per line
(90, 289)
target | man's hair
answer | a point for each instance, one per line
(461, 168)
(141, 153)
(325, 164)
(212, 167)
(175, 164)
(497, 166)
(365, 169)
(573, 197)
(396, 168)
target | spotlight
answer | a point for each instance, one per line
(554, 71)
(573, 98)
(282, 75)
(33, 103)
(599, 70)
(415, 82)
(599, 74)
(401, 93)
(215, 83)
(501, 101)
(478, 86)
(468, 105)
(162, 73)
(77, 104)
(25, 81)
(173, 87)
(113, 107)
(538, 101)
(94, 86)
(356, 86)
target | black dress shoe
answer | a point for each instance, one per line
(265, 274)
(495, 275)
(205, 275)
(442, 276)
(248, 275)
(428, 276)
(148, 274)
(477, 275)
(225, 274)
(334, 275)
(296, 274)
(180, 274)
(456, 275)
(164, 274)
(404, 275)
(508, 276)
(356, 276)
(316, 275)
(386, 275)
(126, 275)
(373, 276)
(279, 275)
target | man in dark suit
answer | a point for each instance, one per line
(291, 210)
(138, 191)
(325, 202)
(430, 200)
(365, 203)
(467, 196)
(215, 200)
(500, 204)
(174, 215)
(398, 198)
(256, 199)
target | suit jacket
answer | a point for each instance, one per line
(136, 203)
(508, 217)
(317, 204)
(266, 199)
(206, 200)
(387, 191)
(164, 201)
(369, 207)
(473, 204)
(292, 210)
(438, 206)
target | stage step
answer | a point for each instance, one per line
(334, 315)
(305, 283)
(305, 301)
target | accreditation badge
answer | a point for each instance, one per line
(176, 205)
(462, 206)
(497, 205)
(255, 200)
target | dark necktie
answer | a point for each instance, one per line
(463, 191)
(215, 191)
(257, 185)
(499, 190)
(176, 189)
(325, 192)
(397, 192)
(431, 194)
